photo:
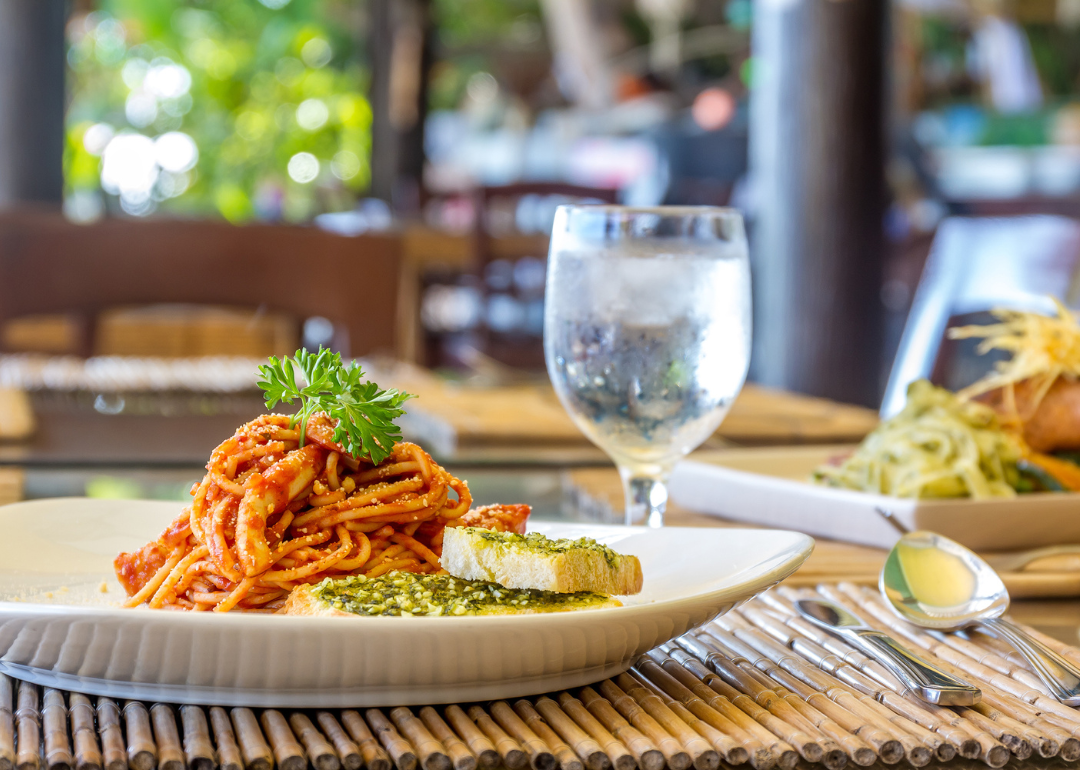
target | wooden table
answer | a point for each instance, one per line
(524, 423)
(460, 423)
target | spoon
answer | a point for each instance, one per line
(934, 582)
(921, 677)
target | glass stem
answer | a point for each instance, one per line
(646, 497)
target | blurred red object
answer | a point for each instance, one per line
(713, 109)
(631, 87)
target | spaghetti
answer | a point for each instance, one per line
(937, 447)
(271, 514)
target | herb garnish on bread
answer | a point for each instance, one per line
(408, 594)
(538, 562)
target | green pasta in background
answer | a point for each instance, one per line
(937, 447)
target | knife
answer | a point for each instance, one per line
(924, 679)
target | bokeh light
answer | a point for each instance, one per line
(312, 114)
(97, 138)
(140, 109)
(143, 171)
(303, 167)
(746, 71)
(345, 165)
(713, 109)
(316, 53)
(739, 13)
(482, 87)
(129, 167)
(176, 152)
(170, 185)
(167, 80)
(134, 72)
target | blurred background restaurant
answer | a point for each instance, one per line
(183, 179)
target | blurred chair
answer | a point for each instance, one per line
(704, 166)
(976, 265)
(505, 285)
(47, 333)
(160, 330)
(186, 331)
(525, 208)
(99, 273)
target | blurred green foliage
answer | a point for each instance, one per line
(946, 63)
(1056, 50)
(463, 23)
(262, 83)
(1022, 130)
(469, 34)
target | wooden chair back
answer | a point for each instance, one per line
(522, 347)
(486, 198)
(51, 266)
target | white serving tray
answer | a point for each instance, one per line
(770, 487)
(58, 629)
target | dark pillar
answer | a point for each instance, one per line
(401, 55)
(31, 101)
(383, 144)
(818, 154)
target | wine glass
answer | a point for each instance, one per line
(647, 333)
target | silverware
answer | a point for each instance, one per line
(921, 677)
(932, 581)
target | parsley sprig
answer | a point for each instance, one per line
(365, 414)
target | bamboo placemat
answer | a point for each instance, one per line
(758, 686)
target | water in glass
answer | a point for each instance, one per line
(647, 336)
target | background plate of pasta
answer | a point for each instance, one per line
(774, 487)
(995, 465)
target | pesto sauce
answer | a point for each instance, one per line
(406, 593)
(537, 543)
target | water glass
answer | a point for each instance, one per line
(647, 333)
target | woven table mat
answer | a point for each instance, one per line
(759, 686)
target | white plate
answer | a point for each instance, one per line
(58, 629)
(770, 487)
